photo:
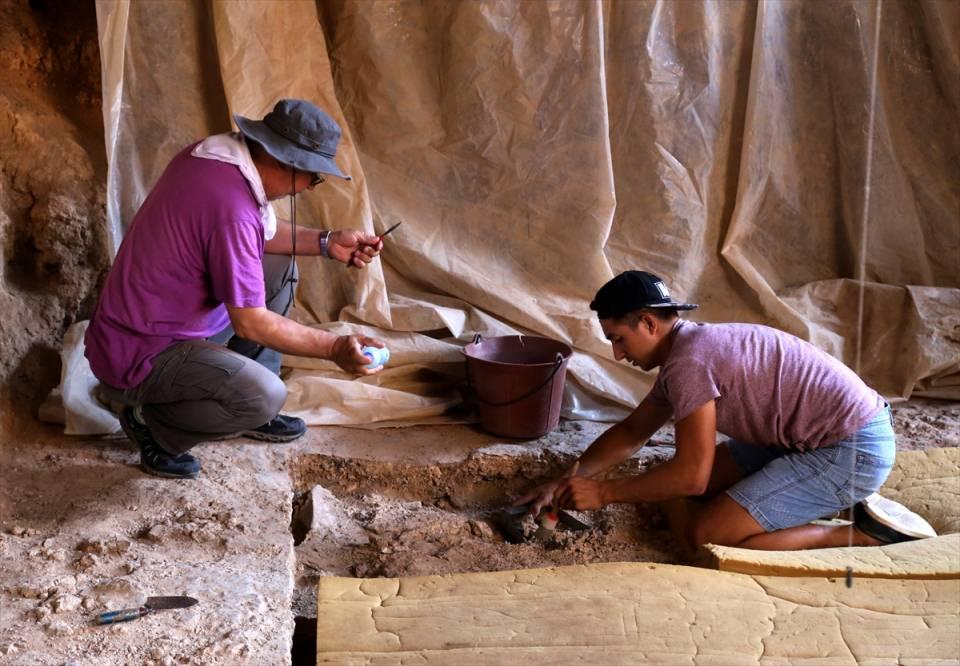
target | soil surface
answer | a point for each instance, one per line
(373, 519)
(926, 424)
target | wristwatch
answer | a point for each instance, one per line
(324, 247)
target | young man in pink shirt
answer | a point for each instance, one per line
(807, 437)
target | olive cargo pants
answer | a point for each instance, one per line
(204, 389)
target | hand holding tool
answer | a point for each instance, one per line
(152, 604)
(572, 472)
(350, 265)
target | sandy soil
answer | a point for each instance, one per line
(85, 531)
(926, 424)
(371, 519)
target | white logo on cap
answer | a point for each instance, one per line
(662, 288)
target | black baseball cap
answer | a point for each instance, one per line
(634, 290)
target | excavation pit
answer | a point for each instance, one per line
(363, 518)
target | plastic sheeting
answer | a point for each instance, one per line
(533, 150)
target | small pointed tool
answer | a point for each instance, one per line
(380, 236)
(572, 523)
(152, 604)
(390, 229)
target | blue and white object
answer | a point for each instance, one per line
(378, 356)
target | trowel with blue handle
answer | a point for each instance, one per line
(152, 604)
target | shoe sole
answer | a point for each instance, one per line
(167, 475)
(880, 509)
(867, 524)
(253, 434)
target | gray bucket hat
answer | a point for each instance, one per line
(297, 133)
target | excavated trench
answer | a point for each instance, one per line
(366, 518)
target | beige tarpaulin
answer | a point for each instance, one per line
(534, 149)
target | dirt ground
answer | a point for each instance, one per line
(375, 519)
(83, 530)
(381, 537)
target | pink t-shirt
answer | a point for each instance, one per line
(195, 244)
(771, 388)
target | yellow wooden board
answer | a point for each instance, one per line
(635, 613)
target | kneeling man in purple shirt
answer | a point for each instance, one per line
(807, 438)
(190, 325)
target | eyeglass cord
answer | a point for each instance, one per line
(293, 255)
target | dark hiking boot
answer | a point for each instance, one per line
(281, 428)
(153, 459)
(889, 521)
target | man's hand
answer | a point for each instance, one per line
(538, 498)
(347, 354)
(579, 494)
(353, 248)
(546, 494)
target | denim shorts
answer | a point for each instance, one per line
(784, 489)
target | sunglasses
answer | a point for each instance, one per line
(315, 178)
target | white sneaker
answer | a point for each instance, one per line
(897, 517)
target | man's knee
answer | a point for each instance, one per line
(264, 394)
(723, 522)
(275, 394)
(701, 531)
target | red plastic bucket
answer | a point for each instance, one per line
(518, 381)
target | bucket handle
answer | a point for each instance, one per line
(556, 367)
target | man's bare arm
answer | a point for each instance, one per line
(686, 474)
(611, 448)
(308, 240)
(622, 440)
(288, 337)
(354, 248)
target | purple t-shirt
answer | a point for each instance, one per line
(195, 244)
(771, 388)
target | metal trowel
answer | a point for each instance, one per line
(152, 604)
(508, 521)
